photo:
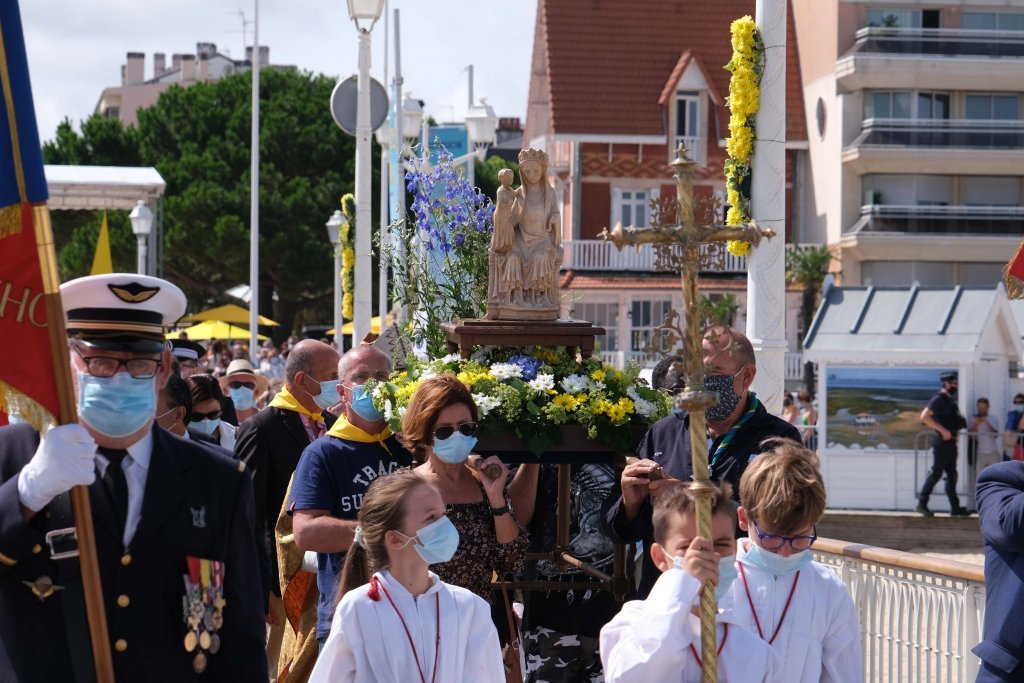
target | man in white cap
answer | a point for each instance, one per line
(187, 353)
(245, 387)
(173, 520)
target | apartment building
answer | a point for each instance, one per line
(915, 137)
(615, 88)
(136, 91)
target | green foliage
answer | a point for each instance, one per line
(808, 265)
(718, 311)
(198, 138)
(487, 174)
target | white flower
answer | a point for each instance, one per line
(542, 383)
(631, 392)
(451, 358)
(380, 390)
(428, 373)
(574, 384)
(401, 412)
(485, 404)
(483, 353)
(389, 412)
(594, 385)
(503, 371)
(645, 408)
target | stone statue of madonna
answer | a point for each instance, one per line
(526, 247)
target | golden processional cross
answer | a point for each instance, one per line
(693, 398)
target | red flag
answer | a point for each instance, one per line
(1014, 274)
(28, 378)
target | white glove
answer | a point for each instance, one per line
(66, 457)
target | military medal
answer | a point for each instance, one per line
(203, 609)
(199, 663)
(214, 644)
(190, 641)
(204, 640)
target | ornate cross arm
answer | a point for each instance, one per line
(682, 234)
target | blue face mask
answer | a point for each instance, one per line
(455, 449)
(116, 406)
(328, 395)
(776, 564)
(362, 404)
(207, 427)
(242, 397)
(727, 573)
(437, 542)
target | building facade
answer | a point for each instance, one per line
(916, 137)
(136, 91)
(615, 89)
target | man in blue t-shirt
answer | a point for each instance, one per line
(335, 471)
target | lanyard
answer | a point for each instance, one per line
(721, 646)
(437, 641)
(785, 610)
(731, 434)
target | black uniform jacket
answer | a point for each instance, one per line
(270, 444)
(667, 443)
(196, 503)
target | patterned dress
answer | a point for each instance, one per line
(479, 553)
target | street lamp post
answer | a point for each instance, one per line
(142, 224)
(369, 11)
(334, 224)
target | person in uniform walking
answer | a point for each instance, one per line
(173, 519)
(943, 415)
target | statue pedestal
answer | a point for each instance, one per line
(464, 334)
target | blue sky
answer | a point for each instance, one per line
(77, 49)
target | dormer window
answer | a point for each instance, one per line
(689, 125)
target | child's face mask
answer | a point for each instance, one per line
(726, 574)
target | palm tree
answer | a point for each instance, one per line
(807, 267)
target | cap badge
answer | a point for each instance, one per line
(43, 587)
(133, 292)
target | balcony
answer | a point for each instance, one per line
(694, 147)
(944, 58)
(603, 256)
(971, 146)
(965, 221)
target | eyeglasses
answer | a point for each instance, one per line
(105, 366)
(238, 385)
(776, 541)
(465, 428)
(188, 363)
(212, 415)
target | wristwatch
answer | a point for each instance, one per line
(503, 510)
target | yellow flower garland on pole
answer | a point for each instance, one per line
(746, 66)
(348, 254)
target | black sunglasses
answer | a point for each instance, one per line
(466, 429)
(212, 415)
(238, 385)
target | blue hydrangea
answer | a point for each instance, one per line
(528, 364)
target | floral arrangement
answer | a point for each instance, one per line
(348, 256)
(534, 391)
(746, 66)
(439, 256)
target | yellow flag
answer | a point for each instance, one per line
(101, 262)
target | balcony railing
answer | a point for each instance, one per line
(945, 133)
(947, 220)
(939, 42)
(919, 616)
(601, 255)
(694, 147)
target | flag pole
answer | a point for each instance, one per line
(87, 556)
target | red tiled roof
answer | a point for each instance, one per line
(670, 85)
(608, 61)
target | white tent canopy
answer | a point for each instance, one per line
(102, 187)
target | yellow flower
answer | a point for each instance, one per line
(552, 392)
(738, 247)
(600, 406)
(626, 404)
(565, 401)
(346, 306)
(348, 258)
(734, 216)
(616, 413)
(598, 375)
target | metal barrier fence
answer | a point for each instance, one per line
(919, 616)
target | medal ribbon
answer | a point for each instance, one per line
(437, 641)
(721, 646)
(731, 434)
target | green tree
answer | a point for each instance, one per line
(487, 174)
(720, 310)
(807, 267)
(198, 138)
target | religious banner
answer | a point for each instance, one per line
(1014, 274)
(28, 385)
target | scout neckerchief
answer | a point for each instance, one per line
(721, 646)
(731, 434)
(750, 601)
(313, 422)
(346, 431)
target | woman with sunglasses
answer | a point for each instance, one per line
(440, 427)
(206, 415)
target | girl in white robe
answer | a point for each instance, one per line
(405, 625)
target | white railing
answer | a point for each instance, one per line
(617, 359)
(940, 42)
(931, 211)
(794, 365)
(601, 255)
(694, 147)
(919, 616)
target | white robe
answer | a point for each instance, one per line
(649, 640)
(367, 643)
(820, 638)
